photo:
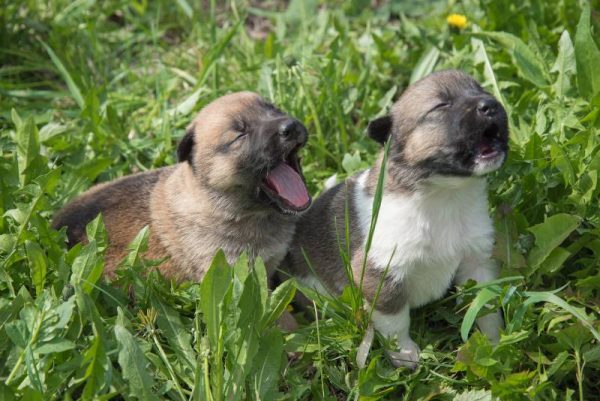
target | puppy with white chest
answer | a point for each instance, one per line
(433, 228)
(238, 187)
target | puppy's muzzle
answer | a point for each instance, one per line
(284, 184)
(488, 107)
(291, 130)
(492, 144)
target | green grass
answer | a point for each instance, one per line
(90, 91)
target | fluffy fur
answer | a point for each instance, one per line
(213, 199)
(433, 226)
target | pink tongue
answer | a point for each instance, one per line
(288, 184)
(486, 150)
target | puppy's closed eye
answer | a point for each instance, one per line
(239, 135)
(232, 139)
(441, 106)
(239, 130)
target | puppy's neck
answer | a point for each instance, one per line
(400, 178)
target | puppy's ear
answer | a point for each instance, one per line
(380, 129)
(184, 150)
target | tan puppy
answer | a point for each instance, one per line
(238, 187)
(433, 226)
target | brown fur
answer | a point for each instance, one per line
(210, 201)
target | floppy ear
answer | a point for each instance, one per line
(380, 129)
(184, 150)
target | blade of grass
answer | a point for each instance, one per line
(73, 88)
(377, 199)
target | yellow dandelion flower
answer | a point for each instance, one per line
(457, 21)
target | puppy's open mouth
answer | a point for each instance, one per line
(490, 151)
(485, 151)
(490, 145)
(284, 185)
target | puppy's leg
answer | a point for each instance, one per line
(481, 269)
(396, 326)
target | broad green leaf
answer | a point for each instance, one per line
(51, 130)
(592, 355)
(242, 354)
(54, 345)
(213, 288)
(265, 373)
(587, 56)
(483, 297)
(534, 297)
(95, 230)
(562, 160)
(9, 310)
(134, 364)
(550, 234)
(37, 265)
(425, 65)
(573, 336)
(7, 242)
(16, 119)
(88, 312)
(474, 395)
(554, 261)
(98, 371)
(241, 269)
(177, 335)
(48, 181)
(137, 247)
(260, 272)
(17, 332)
(372, 385)
(28, 148)
(587, 185)
(249, 306)
(279, 300)
(87, 268)
(531, 66)
(6, 393)
(352, 162)
(564, 64)
(560, 359)
(64, 312)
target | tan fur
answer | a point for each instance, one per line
(193, 208)
(423, 143)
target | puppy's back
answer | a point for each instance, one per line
(125, 208)
(320, 233)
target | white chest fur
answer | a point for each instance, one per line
(425, 235)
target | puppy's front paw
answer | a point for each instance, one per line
(407, 355)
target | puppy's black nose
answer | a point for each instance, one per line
(487, 107)
(291, 129)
